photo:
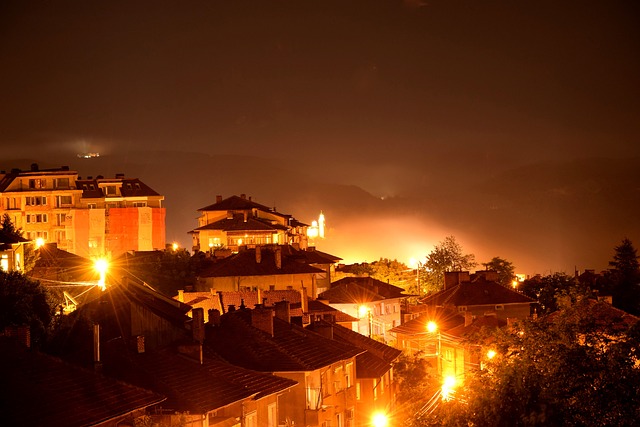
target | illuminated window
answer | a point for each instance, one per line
(250, 420)
(358, 391)
(37, 183)
(272, 415)
(4, 262)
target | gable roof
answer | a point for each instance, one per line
(445, 318)
(477, 292)
(189, 385)
(43, 390)
(377, 358)
(234, 203)
(238, 223)
(357, 290)
(244, 264)
(290, 349)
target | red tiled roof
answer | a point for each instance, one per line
(237, 203)
(42, 390)
(359, 290)
(477, 292)
(244, 264)
(291, 349)
(237, 223)
(445, 318)
(377, 357)
(189, 385)
(386, 290)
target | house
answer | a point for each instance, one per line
(323, 368)
(376, 386)
(43, 390)
(480, 294)
(238, 221)
(265, 267)
(303, 310)
(376, 304)
(12, 252)
(88, 217)
(146, 339)
(440, 335)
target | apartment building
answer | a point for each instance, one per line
(88, 217)
(238, 221)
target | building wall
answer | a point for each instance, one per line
(502, 311)
(279, 282)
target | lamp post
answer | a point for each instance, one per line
(432, 327)
(363, 310)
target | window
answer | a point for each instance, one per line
(272, 415)
(375, 388)
(250, 420)
(63, 201)
(36, 201)
(462, 308)
(499, 307)
(139, 204)
(358, 396)
(91, 205)
(110, 190)
(61, 183)
(37, 183)
(348, 374)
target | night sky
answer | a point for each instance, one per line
(512, 125)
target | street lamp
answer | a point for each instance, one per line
(101, 265)
(447, 387)
(363, 310)
(379, 419)
(432, 327)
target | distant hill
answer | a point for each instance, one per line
(544, 217)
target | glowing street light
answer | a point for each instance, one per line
(39, 242)
(432, 326)
(491, 354)
(447, 387)
(101, 265)
(175, 246)
(363, 311)
(379, 419)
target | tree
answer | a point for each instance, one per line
(575, 368)
(391, 271)
(624, 277)
(551, 289)
(505, 270)
(8, 229)
(24, 302)
(445, 256)
(415, 384)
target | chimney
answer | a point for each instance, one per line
(454, 278)
(324, 329)
(119, 176)
(468, 318)
(140, 343)
(181, 295)
(283, 311)
(34, 167)
(214, 317)
(258, 260)
(278, 256)
(243, 196)
(304, 302)
(218, 198)
(262, 318)
(197, 325)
